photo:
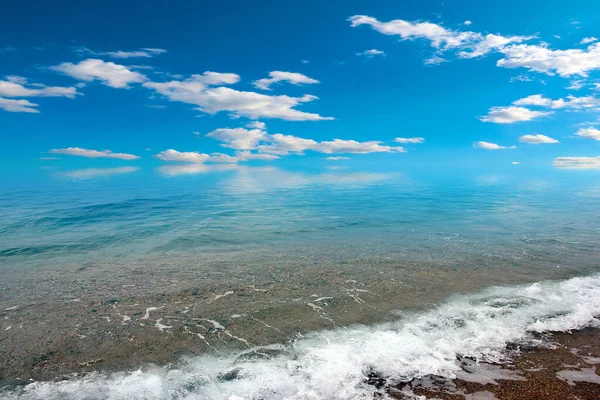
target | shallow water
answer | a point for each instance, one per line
(215, 263)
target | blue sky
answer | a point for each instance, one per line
(300, 84)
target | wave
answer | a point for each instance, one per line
(337, 364)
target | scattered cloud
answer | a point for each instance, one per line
(512, 114)
(576, 84)
(470, 44)
(491, 146)
(78, 151)
(238, 138)
(577, 162)
(294, 78)
(337, 158)
(256, 125)
(588, 40)
(540, 58)
(467, 23)
(435, 60)
(201, 158)
(589, 133)
(199, 90)
(285, 144)
(409, 140)
(515, 163)
(304, 61)
(537, 139)
(109, 73)
(12, 105)
(144, 52)
(371, 53)
(90, 173)
(533, 100)
(15, 86)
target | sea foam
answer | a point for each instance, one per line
(335, 364)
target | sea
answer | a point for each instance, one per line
(239, 282)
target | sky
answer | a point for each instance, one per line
(114, 87)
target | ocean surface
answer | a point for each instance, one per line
(284, 284)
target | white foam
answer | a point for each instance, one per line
(334, 364)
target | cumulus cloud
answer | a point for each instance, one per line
(533, 100)
(337, 158)
(471, 44)
(588, 40)
(537, 139)
(491, 146)
(577, 162)
(12, 105)
(285, 144)
(256, 125)
(238, 138)
(147, 52)
(512, 114)
(109, 73)
(199, 90)
(78, 151)
(294, 78)
(371, 53)
(589, 133)
(570, 102)
(201, 158)
(540, 58)
(409, 140)
(17, 86)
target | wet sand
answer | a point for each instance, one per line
(570, 369)
(102, 317)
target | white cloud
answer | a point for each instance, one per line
(588, 40)
(589, 133)
(12, 105)
(533, 100)
(540, 58)
(537, 139)
(434, 60)
(294, 78)
(284, 144)
(109, 73)
(305, 61)
(238, 138)
(473, 44)
(409, 140)
(188, 157)
(489, 43)
(14, 86)
(144, 52)
(577, 162)
(246, 155)
(78, 151)
(509, 115)
(371, 53)
(440, 37)
(337, 158)
(200, 158)
(576, 103)
(571, 102)
(256, 125)
(90, 173)
(576, 84)
(467, 23)
(491, 146)
(197, 90)
(515, 163)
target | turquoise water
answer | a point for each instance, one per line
(259, 256)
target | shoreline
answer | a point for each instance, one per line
(569, 369)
